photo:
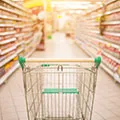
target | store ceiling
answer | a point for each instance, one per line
(74, 4)
(93, 1)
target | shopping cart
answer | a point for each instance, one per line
(59, 89)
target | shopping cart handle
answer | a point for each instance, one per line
(22, 60)
(97, 61)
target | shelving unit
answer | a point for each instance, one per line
(107, 44)
(18, 36)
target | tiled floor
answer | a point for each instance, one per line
(107, 100)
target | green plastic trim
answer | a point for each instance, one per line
(22, 61)
(97, 61)
(61, 90)
(45, 65)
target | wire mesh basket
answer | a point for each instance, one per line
(60, 89)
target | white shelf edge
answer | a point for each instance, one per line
(107, 70)
(113, 33)
(4, 78)
(8, 50)
(19, 34)
(110, 56)
(30, 52)
(20, 43)
(6, 25)
(80, 44)
(7, 33)
(7, 59)
(11, 18)
(19, 50)
(95, 31)
(7, 41)
(111, 23)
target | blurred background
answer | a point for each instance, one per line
(60, 29)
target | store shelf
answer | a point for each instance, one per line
(104, 42)
(20, 43)
(4, 78)
(107, 13)
(15, 5)
(7, 33)
(7, 25)
(7, 50)
(19, 35)
(111, 23)
(10, 18)
(107, 33)
(91, 54)
(28, 41)
(11, 11)
(7, 59)
(112, 33)
(110, 56)
(94, 31)
(20, 50)
(7, 41)
(104, 23)
(19, 26)
(107, 70)
(84, 47)
(30, 52)
(113, 11)
(100, 7)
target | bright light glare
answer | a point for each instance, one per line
(72, 5)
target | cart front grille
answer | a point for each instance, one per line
(59, 92)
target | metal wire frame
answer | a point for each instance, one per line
(59, 106)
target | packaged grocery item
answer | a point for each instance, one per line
(113, 17)
(6, 46)
(2, 71)
(2, 29)
(113, 6)
(2, 57)
(112, 28)
(112, 38)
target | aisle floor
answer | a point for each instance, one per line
(107, 100)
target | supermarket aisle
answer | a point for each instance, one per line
(107, 101)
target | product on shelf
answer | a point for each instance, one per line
(112, 28)
(16, 31)
(2, 71)
(106, 44)
(112, 38)
(9, 65)
(110, 63)
(113, 6)
(113, 51)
